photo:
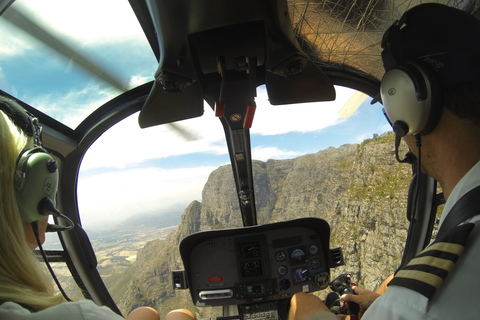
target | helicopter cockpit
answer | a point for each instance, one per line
(212, 58)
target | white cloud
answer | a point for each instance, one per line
(265, 153)
(307, 117)
(70, 17)
(118, 180)
(119, 194)
(66, 18)
(132, 145)
(120, 187)
(137, 80)
(3, 83)
(14, 43)
(75, 105)
(129, 145)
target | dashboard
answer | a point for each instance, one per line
(259, 264)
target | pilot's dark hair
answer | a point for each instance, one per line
(463, 100)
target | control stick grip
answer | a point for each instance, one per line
(343, 285)
(353, 307)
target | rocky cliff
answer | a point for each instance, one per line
(359, 189)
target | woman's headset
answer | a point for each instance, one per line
(36, 179)
(36, 173)
(36, 182)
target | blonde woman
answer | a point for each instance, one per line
(26, 291)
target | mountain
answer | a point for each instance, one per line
(359, 189)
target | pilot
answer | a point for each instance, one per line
(26, 292)
(432, 62)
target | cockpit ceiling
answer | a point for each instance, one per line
(346, 34)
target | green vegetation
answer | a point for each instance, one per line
(344, 164)
(382, 179)
(384, 138)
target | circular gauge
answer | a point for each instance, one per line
(316, 263)
(313, 250)
(251, 268)
(282, 270)
(298, 255)
(250, 249)
(321, 279)
(280, 256)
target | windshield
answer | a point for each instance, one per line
(138, 188)
(131, 171)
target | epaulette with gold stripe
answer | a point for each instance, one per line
(427, 271)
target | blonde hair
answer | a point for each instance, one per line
(22, 279)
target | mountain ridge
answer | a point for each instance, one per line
(359, 189)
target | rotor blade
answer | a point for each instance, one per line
(41, 33)
(4, 4)
(352, 104)
(183, 132)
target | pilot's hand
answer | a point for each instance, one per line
(304, 304)
(363, 298)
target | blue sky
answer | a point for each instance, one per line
(129, 170)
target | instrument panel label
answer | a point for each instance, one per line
(215, 279)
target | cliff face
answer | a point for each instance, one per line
(360, 190)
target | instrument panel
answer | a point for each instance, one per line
(257, 264)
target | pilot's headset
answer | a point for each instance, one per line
(36, 173)
(409, 91)
(417, 64)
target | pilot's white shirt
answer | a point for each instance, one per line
(78, 310)
(458, 296)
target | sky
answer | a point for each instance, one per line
(130, 170)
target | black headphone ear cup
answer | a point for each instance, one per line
(410, 96)
(36, 177)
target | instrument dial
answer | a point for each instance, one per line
(282, 270)
(298, 255)
(316, 263)
(280, 256)
(313, 250)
